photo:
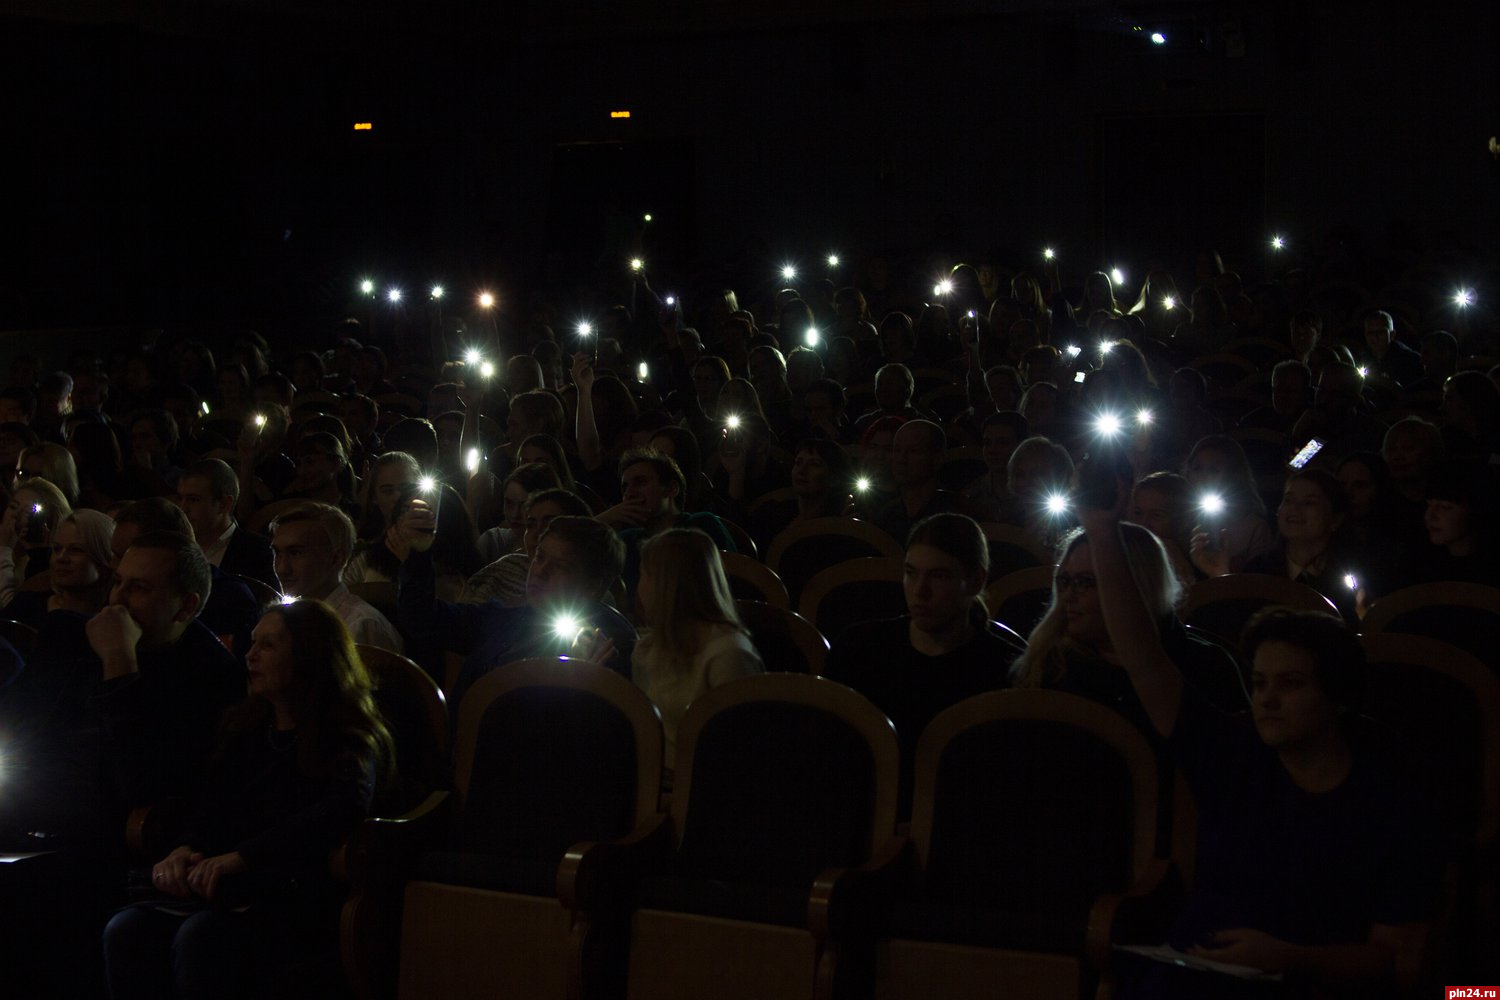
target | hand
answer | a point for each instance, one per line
(414, 531)
(1210, 561)
(113, 636)
(144, 459)
(204, 876)
(583, 372)
(626, 514)
(1243, 946)
(170, 874)
(592, 645)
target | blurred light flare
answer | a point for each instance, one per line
(486, 300)
(1057, 503)
(1211, 504)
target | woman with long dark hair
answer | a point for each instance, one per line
(248, 888)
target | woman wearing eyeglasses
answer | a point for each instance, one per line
(1070, 648)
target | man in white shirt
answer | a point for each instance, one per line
(313, 542)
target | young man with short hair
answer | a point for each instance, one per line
(1313, 862)
(207, 493)
(577, 561)
(313, 542)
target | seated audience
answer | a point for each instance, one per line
(247, 894)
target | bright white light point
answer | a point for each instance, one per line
(426, 484)
(1105, 346)
(671, 300)
(1351, 581)
(833, 260)
(647, 216)
(636, 263)
(394, 295)
(566, 626)
(1109, 424)
(1074, 350)
(288, 599)
(471, 356)
(944, 287)
(1363, 371)
(1157, 38)
(862, 485)
(1057, 503)
(1277, 243)
(260, 420)
(1143, 418)
(1212, 503)
(732, 422)
(437, 291)
(788, 272)
(486, 300)
(642, 372)
(1169, 303)
(36, 508)
(486, 369)
(205, 407)
(1049, 254)
(584, 329)
(471, 460)
(1117, 276)
(811, 336)
(367, 286)
(1463, 298)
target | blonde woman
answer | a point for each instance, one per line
(81, 570)
(1070, 649)
(693, 639)
(36, 507)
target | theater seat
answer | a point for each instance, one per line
(550, 753)
(785, 797)
(1034, 833)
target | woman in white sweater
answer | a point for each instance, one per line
(693, 640)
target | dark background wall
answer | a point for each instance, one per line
(166, 163)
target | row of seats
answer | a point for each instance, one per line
(555, 866)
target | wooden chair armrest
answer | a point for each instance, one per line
(592, 869)
(849, 900)
(1139, 916)
(135, 829)
(383, 845)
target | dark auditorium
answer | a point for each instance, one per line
(941, 500)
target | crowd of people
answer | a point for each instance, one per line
(570, 489)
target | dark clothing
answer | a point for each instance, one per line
(250, 555)
(1207, 668)
(492, 634)
(894, 519)
(1401, 364)
(284, 824)
(29, 607)
(231, 611)
(1309, 868)
(705, 522)
(96, 749)
(878, 661)
(1329, 581)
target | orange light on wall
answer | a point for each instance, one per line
(363, 126)
(619, 114)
